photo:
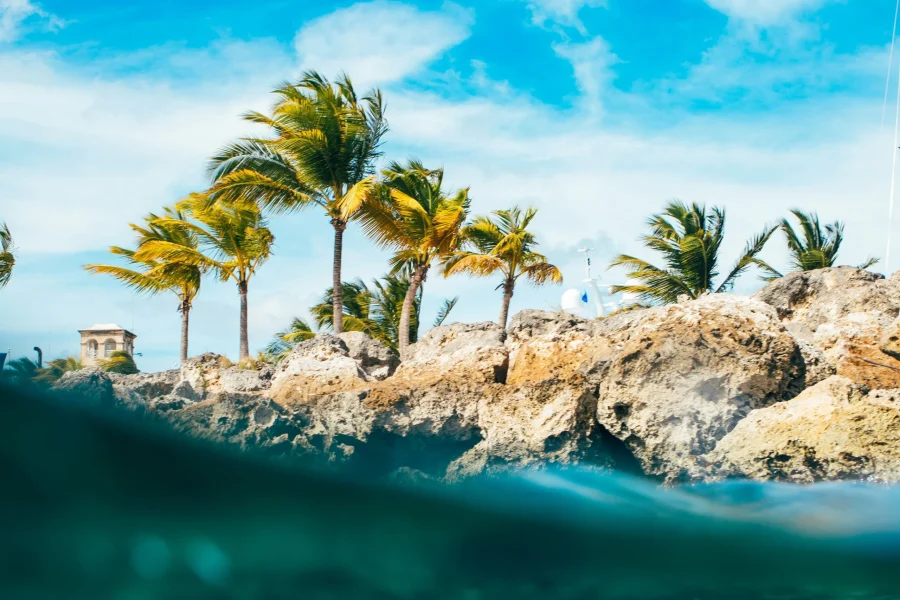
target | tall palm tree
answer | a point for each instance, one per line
(326, 141)
(689, 239)
(7, 255)
(501, 243)
(819, 246)
(412, 214)
(155, 276)
(233, 242)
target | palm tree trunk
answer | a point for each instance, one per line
(337, 285)
(245, 345)
(185, 320)
(403, 334)
(508, 287)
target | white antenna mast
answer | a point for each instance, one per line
(591, 282)
(887, 252)
(887, 82)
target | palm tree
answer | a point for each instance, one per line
(326, 141)
(412, 214)
(120, 362)
(233, 242)
(21, 371)
(283, 341)
(501, 243)
(56, 368)
(819, 245)
(7, 255)
(689, 238)
(375, 310)
(155, 276)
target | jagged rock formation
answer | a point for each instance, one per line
(723, 386)
(834, 430)
(845, 312)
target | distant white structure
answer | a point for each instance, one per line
(99, 341)
(577, 302)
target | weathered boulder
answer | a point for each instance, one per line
(550, 423)
(316, 367)
(818, 367)
(237, 380)
(890, 339)
(847, 313)
(376, 360)
(92, 384)
(832, 431)
(681, 377)
(200, 375)
(244, 420)
(139, 388)
(473, 352)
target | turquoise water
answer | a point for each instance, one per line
(96, 505)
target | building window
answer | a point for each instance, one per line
(109, 346)
(92, 349)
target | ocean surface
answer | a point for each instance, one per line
(96, 504)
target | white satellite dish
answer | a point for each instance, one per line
(572, 301)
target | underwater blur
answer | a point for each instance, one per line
(103, 504)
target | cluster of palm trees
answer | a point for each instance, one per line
(689, 237)
(321, 151)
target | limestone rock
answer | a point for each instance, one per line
(890, 339)
(139, 388)
(846, 312)
(546, 346)
(244, 420)
(832, 431)
(92, 384)
(202, 373)
(682, 376)
(473, 352)
(377, 360)
(236, 380)
(316, 367)
(534, 426)
(818, 368)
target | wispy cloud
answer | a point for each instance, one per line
(765, 12)
(16, 16)
(380, 42)
(592, 63)
(563, 13)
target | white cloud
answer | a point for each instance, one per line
(765, 12)
(14, 14)
(592, 66)
(380, 42)
(122, 146)
(561, 12)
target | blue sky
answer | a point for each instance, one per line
(595, 111)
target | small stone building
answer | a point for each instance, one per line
(98, 342)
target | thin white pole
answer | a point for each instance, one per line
(887, 252)
(887, 82)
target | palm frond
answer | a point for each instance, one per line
(444, 311)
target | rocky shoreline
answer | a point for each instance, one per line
(797, 383)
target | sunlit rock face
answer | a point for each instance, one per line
(835, 430)
(846, 312)
(664, 391)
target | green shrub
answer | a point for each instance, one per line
(120, 362)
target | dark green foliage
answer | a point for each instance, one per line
(120, 362)
(688, 238)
